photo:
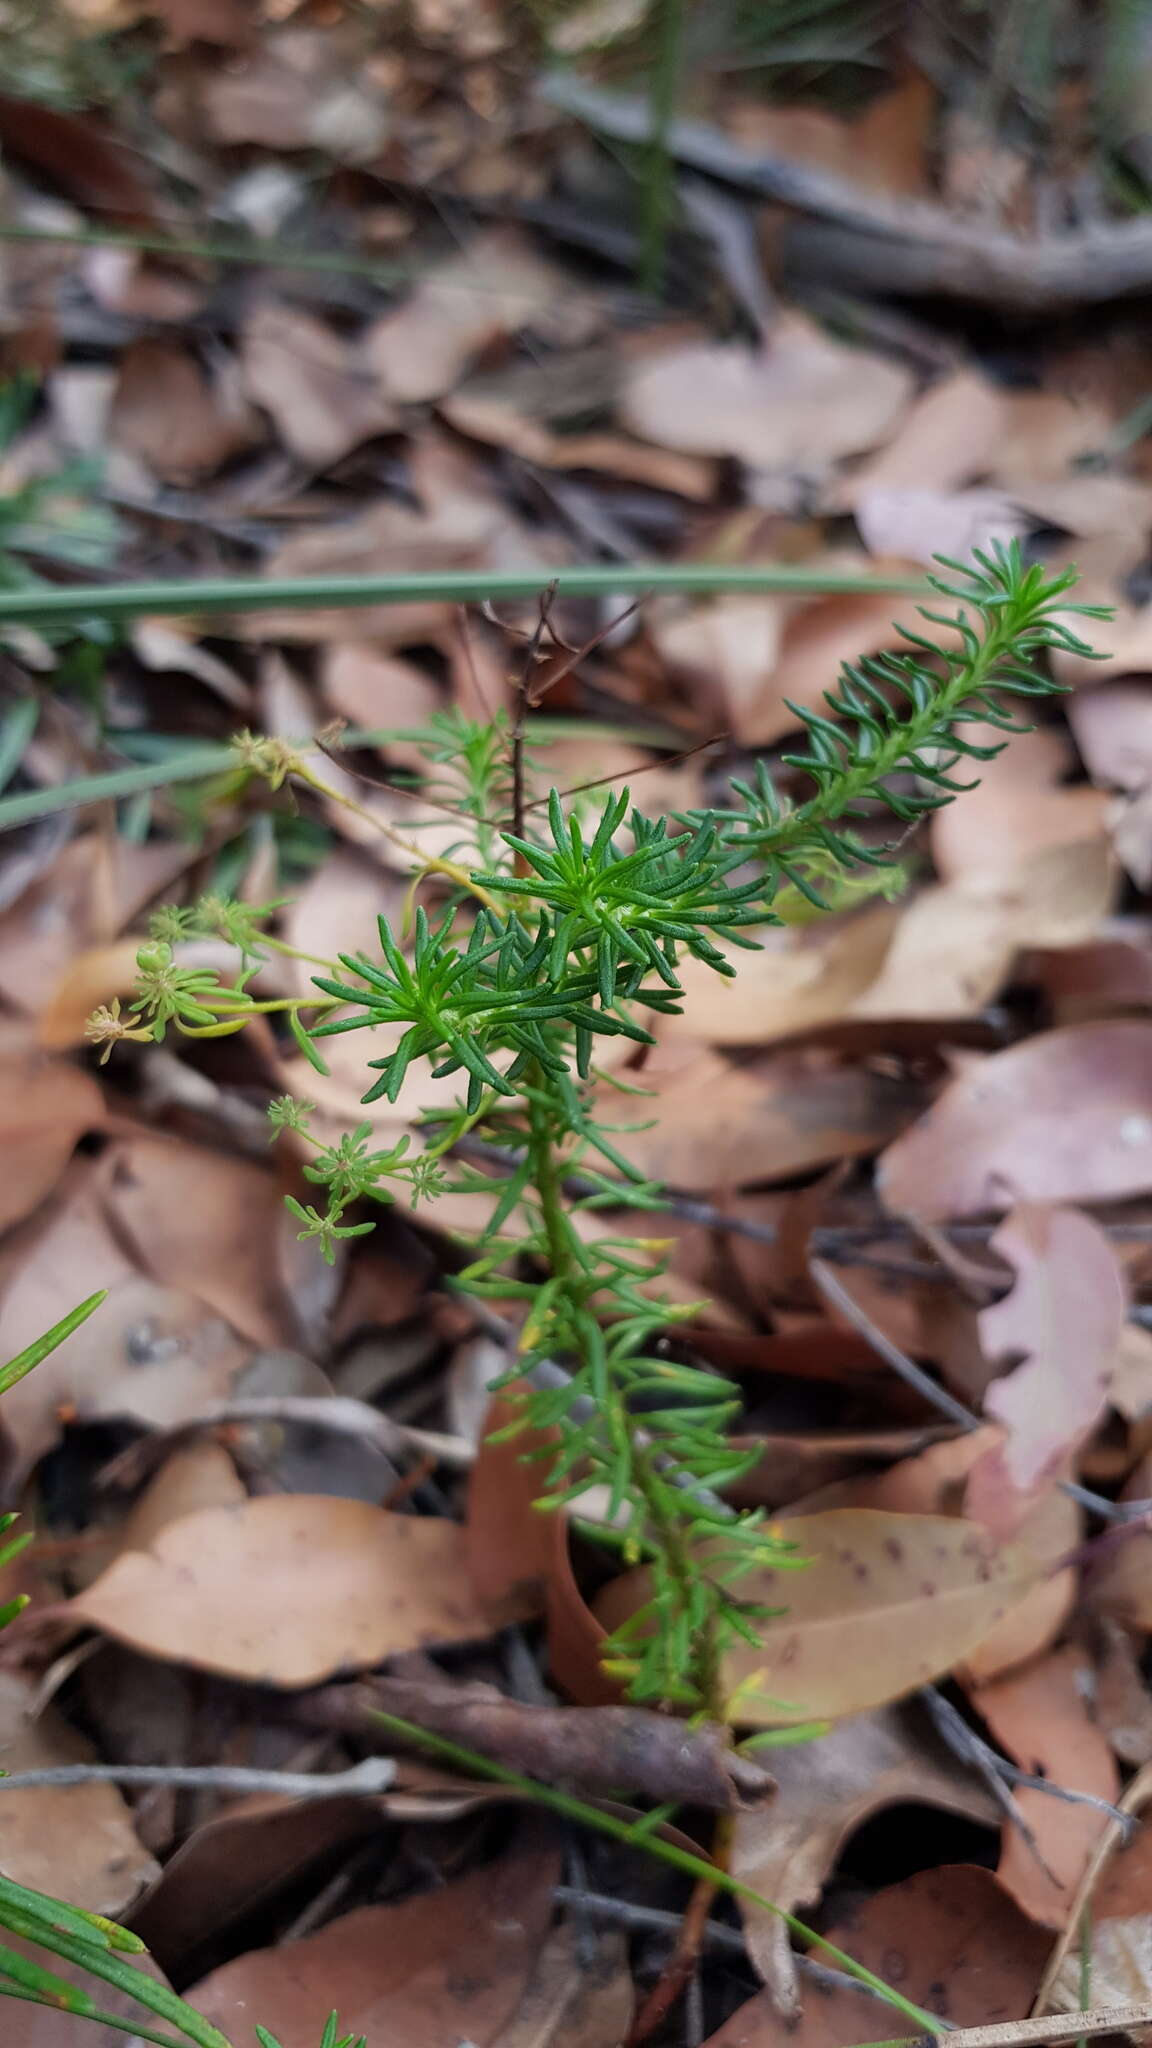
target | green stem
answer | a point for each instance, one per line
(667, 1852)
(190, 599)
(659, 167)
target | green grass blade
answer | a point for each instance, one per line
(43, 606)
(28, 1360)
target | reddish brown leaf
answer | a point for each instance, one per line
(950, 1939)
(1039, 1717)
(827, 1789)
(448, 1965)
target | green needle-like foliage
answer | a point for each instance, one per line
(573, 932)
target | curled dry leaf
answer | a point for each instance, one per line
(1064, 1320)
(448, 1965)
(801, 402)
(951, 1939)
(322, 399)
(826, 1790)
(1039, 1718)
(1065, 1116)
(46, 1107)
(75, 1841)
(290, 1589)
(884, 1603)
(600, 1750)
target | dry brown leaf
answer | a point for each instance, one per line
(194, 1476)
(207, 1223)
(496, 286)
(827, 1789)
(951, 1939)
(46, 1106)
(725, 651)
(289, 1589)
(1088, 505)
(1064, 1319)
(719, 1123)
(1065, 1116)
(94, 887)
(948, 438)
(494, 417)
(801, 402)
(322, 400)
(374, 688)
(448, 1965)
(1039, 1718)
(302, 88)
(150, 1353)
(932, 1483)
(883, 148)
(1045, 432)
(802, 978)
(75, 1841)
(884, 1604)
(176, 419)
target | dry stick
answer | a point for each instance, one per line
(1132, 1800)
(1056, 2030)
(339, 1413)
(374, 1775)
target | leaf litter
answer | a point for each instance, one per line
(945, 1096)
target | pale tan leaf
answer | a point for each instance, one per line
(948, 438)
(322, 400)
(885, 1603)
(289, 1589)
(800, 979)
(801, 402)
(176, 419)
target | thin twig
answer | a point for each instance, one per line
(1057, 2030)
(964, 1743)
(937, 1396)
(714, 1934)
(339, 1413)
(366, 1779)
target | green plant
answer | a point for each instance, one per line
(562, 935)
